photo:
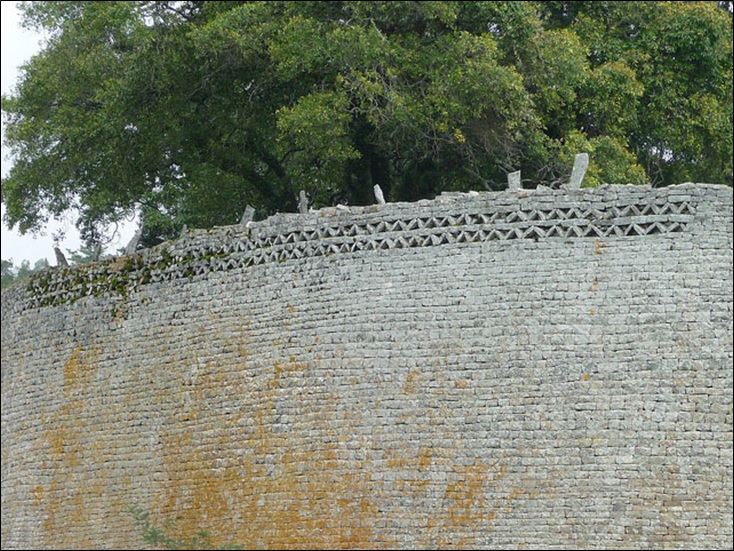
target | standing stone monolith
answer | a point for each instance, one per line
(248, 215)
(379, 196)
(514, 182)
(303, 202)
(580, 164)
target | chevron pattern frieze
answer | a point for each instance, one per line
(230, 248)
(429, 231)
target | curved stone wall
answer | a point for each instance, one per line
(547, 369)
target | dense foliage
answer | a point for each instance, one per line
(188, 111)
(11, 273)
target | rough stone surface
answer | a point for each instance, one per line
(539, 369)
(514, 181)
(580, 164)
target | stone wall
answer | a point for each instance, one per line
(539, 369)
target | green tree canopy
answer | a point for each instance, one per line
(11, 273)
(189, 111)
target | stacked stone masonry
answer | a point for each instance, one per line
(534, 368)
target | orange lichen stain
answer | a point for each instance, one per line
(592, 311)
(56, 440)
(70, 455)
(61, 432)
(393, 461)
(283, 491)
(440, 419)
(38, 494)
(242, 351)
(51, 509)
(285, 368)
(514, 494)
(406, 418)
(410, 481)
(73, 368)
(466, 505)
(278, 371)
(461, 383)
(585, 376)
(598, 246)
(467, 490)
(119, 313)
(473, 498)
(425, 459)
(411, 383)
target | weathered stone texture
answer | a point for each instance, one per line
(547, 369)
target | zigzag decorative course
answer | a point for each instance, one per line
(632, 220)
(632, 216)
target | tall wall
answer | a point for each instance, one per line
(547, 369)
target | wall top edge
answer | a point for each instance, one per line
(505, 200)
(451, 217)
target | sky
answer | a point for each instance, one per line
(18, 45)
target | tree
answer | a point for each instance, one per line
(11, 274)
(676, 58)
(8, 273)
(83, 255)
(189, 111)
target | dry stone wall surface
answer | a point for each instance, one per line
(533, 368)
